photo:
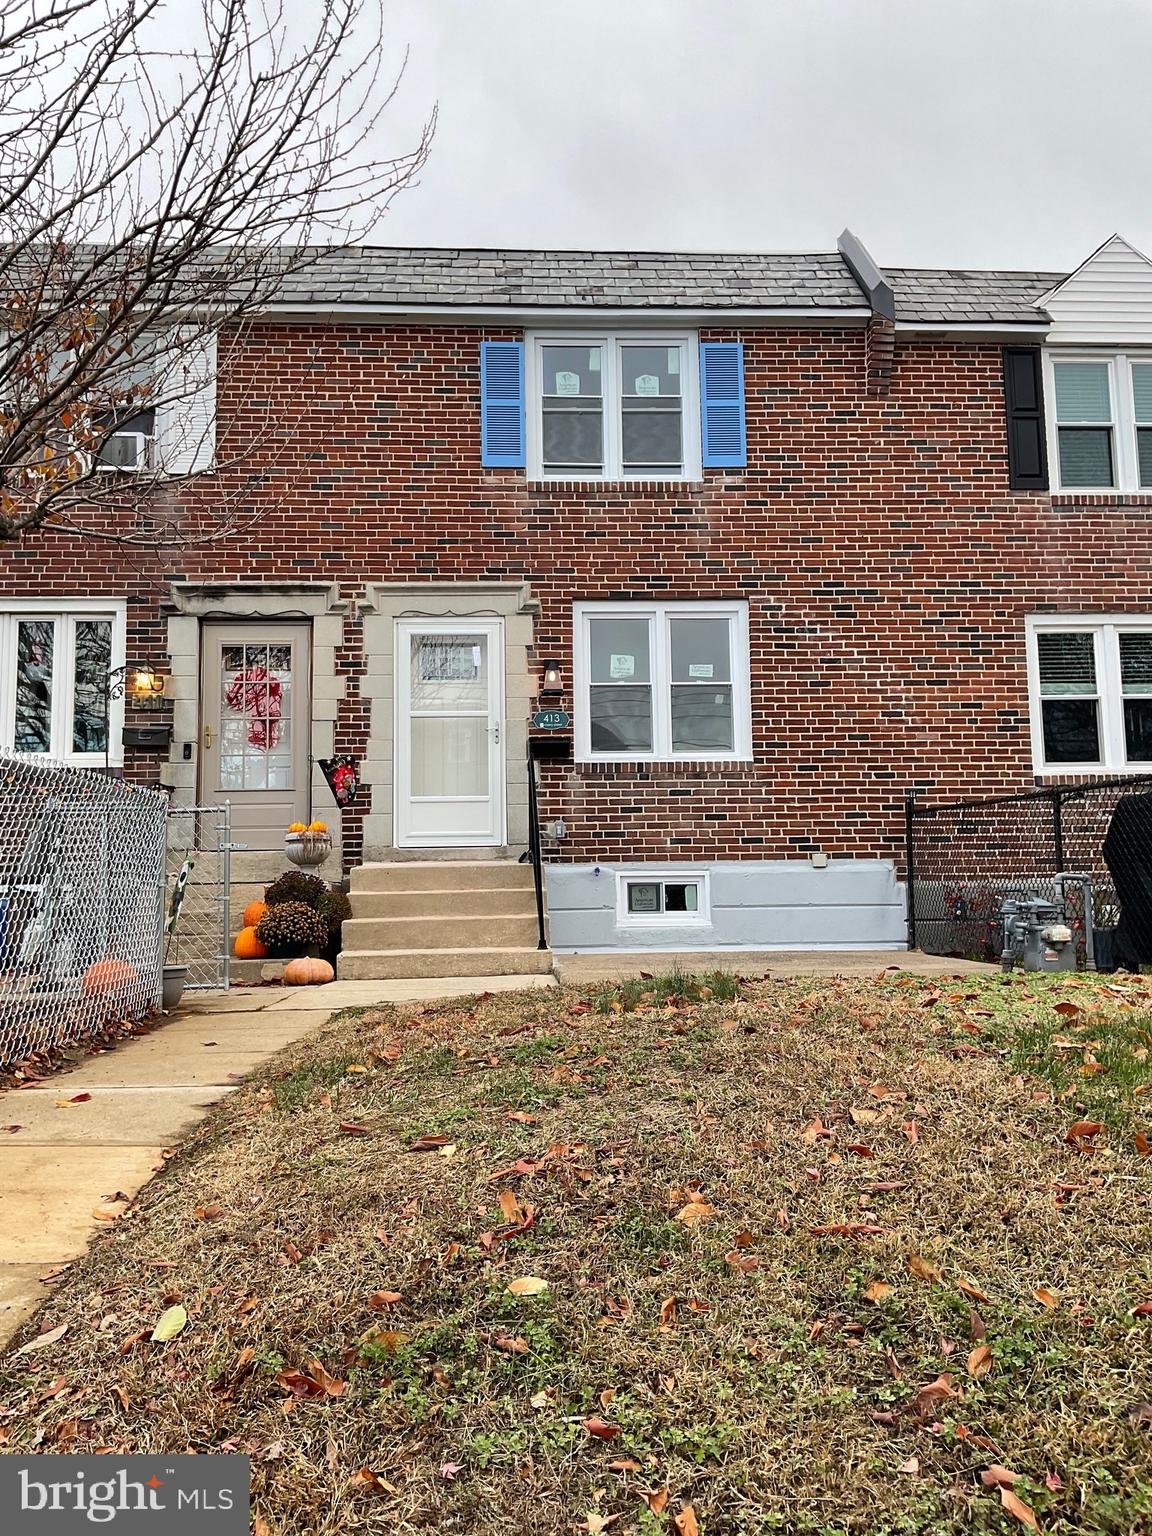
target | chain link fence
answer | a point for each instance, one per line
(81, 903)
(1088, 846)
(198, 861)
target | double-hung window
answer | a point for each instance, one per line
(660, 681)
(57, 675)
(1101, 414)
(1091, 689)
(613, 407)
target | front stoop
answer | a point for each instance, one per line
(442, 917)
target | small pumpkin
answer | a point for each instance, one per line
(308, 971)
(298, 826)
(106, 977)
(248, 946)
(253, 912)
(318, 826)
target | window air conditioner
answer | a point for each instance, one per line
(126, 450)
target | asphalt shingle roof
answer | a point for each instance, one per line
(981, 298)
(394, 275)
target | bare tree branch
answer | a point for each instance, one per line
(152, 201)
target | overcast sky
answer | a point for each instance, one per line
(944, 132)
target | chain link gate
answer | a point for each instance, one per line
(199, 841)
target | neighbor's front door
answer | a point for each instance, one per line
(449, 719)
(255, 722)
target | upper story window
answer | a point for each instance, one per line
(659, 681)
(1101, 421)
(56, 666)
(613, 407)
(1091, 693)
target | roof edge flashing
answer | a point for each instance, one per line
(877, 290)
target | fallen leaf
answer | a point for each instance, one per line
(686, 1522)
(352, 1128)
(912, 1465)
(53, 1336)
(509, 1205)
(928, 1398)
(971, 1290)
(526, 1285)
(878, 1291)
(365, 1478)
(911, 1129)
(381, 1299)
(1016, 1506)
(1067, 1009)
(1045, 1297)
(695, 1211)
(1082, 1130)
(599, 1429)
(429, 1143)
(626, 1464)
(656, 1499)
(976, 1328)
(668, 1310)
(594, 1522)
(511, 1346)
(980, 1360)
(1143, 1310)
(923, 1270)
(169, 1324)
(1053, 1482)
(314, 1381)
(449, 1470)
(1139, 1141)
(208, 1212)
(997, 1476)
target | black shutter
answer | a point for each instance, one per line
(1024, 407)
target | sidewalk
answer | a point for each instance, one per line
(70, 1159)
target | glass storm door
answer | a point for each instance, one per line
(255, 726)
(449, 754)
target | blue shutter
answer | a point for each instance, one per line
(502, 404)
(722, 404)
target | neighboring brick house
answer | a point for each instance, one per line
(790, 548)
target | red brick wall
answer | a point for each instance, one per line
(886, 564)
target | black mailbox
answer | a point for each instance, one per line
(155, 736)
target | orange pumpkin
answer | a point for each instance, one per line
(108, 976)
(248, 946)
(306, 971)
(253, 912)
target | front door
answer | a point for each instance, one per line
(255, 721)
(449, 718)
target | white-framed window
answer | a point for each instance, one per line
(661, 681)
(621, 406)
(1100, 420)
(57, 666)
(645, 899)
(1090, 691)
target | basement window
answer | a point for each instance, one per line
(663, 900)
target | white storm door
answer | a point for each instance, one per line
(449, 730)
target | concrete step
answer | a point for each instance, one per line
(449, 855)
(497, 901)
(472, 875)
(473, 931)
(397, 964)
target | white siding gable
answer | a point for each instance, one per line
(1107, 301)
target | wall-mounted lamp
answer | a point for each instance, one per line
(145, 687)
(553, 683)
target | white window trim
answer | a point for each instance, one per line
(702, 917)
(1105, 629)
(1125, 454)
(611, 341)
(659, 613)
(16, 609)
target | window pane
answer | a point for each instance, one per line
(701, 650)
(1071, 731)
(651, 438)
(681, 897)
(1144, 449)
(619, 650)
(573, 439)
(1085, 456)
(620, 719)
(644, 896)
(571, 371)
(1067, 663)
(1136, 663)
(701, 718)
(1138, 730)
(650, 371)
(450, 755)
(35, 644)
(449, 673)
(1142, 390)
(1082, 392)
(90, 685)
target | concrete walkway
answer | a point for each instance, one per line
(70, 1159)
(581, 970)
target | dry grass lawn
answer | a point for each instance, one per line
(824, 1257)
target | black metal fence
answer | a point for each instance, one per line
(1086, 845)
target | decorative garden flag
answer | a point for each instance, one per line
(343, 775)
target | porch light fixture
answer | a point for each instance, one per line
(145, 687)
(553, 683)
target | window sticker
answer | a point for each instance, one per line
(673, 359)
(620, 667)
(644, 898)
(647, 384)
(567, 383)
(700, 669)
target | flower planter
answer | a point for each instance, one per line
(308, 848)
(174, 978)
